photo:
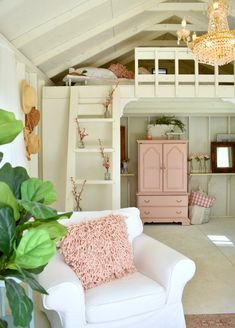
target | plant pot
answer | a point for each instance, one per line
(158, 131)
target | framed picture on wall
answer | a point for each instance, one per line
(225, 137)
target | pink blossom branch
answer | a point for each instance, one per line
(109, 98)
(106, 160)
(82, 133)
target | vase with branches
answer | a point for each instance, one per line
(106, 162)
(108, 101)
(81, 133)
(77, 194)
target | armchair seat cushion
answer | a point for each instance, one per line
(131, 295)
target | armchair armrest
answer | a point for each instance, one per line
(66, 293)
(163, 264)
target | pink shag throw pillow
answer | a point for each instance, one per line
(98, 250)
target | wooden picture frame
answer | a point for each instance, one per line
(223, 157)
(123, 143)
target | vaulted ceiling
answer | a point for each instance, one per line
(57, 34)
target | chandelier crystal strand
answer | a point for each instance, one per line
(217, 47)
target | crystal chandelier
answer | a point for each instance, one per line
(217, 46)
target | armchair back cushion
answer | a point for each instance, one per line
(132, 214)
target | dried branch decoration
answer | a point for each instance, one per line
(77, 194)
(106, 160)
(82, 132)
(109, 98)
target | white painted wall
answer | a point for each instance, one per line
(14, 68)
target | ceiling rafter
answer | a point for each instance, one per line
(177, 6)
(95, 31)
(38, 31)
(122, 50)
(173, 27)
(107, 44)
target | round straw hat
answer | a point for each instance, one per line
(28, 97)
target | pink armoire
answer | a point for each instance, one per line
(162, 181)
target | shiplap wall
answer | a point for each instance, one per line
(200, 131)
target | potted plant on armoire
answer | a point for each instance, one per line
(29, 229)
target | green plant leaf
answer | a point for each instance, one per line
(33, 283)
(35, 249)
(13, 177)
(36, 190)
(9, 127)
(55, 230)
(1, 156)
(37, 270)
(3, 324)
(7, 230)
(61, 216)
(38, 210)
(27, 277)
(20, 304)
(8, 199)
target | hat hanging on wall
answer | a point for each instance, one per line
(28, 97)
(32, 119)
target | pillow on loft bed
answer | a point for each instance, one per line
(91, 75)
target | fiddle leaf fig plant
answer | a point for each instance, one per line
(29, 228)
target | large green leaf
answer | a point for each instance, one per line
(61, 216)
(33, 283)
(36, 190)
(37, 270)
(35, 249)
(20, 304)
(13, 177)
(27, 277)
(3, 324)
(38, 210)
(7, 230)
(8, 199)
(9, 127)
(55, 230)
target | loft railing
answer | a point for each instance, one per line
(173, 72)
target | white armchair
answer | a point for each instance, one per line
(148, 298)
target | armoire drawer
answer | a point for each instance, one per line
(181, 200)
(163, 212)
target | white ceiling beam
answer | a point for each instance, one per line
(197, 19)
(22, 58)
(95, 31)
(173, 27)
(105, 45)
(128, 59)
(124, 50)
(40, 30)
(176, 6)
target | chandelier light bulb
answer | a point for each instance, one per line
(183, 23)
(215, 5)
(194, 36)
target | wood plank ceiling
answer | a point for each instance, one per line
(56, 34)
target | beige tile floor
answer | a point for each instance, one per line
(212, 290)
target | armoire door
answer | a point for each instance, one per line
(175, 167)
(150, 168)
